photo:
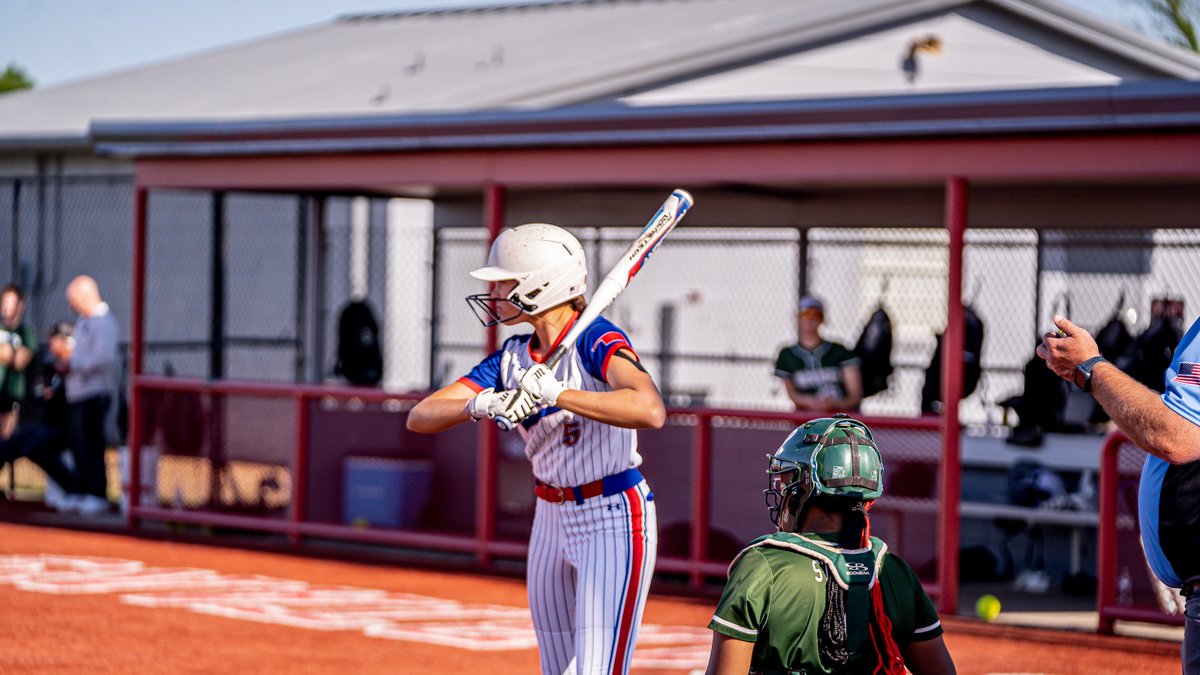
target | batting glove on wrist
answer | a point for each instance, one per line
(489, 403)
(541, 384)
(519, 407)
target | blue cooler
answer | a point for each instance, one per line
(379, 492)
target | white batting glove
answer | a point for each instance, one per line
(519, 407)
(539, 382)
(489, 403)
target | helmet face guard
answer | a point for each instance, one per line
(546, 262)
(832, 457)
(493, 310)
(786, 481)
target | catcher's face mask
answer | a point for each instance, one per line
(789, 485)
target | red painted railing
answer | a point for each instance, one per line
(483, 544)
(1107, 606)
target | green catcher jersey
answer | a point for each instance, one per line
(818, 371)
(776, 594)
(12, 383)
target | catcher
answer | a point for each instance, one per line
(822, 595)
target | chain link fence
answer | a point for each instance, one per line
(711, 312)
(708, 316)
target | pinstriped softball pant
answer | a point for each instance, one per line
(588, 576)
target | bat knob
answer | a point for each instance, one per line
(503, 424)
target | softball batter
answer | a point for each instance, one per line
(595, 535)
(821, 595)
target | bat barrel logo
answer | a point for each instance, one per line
(671, 211)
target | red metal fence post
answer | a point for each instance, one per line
(136, 333)
(489, 438)
(701, 498)
(1106, 539)
(952, 386)
(300, 470)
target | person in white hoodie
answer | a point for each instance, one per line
(89, 363)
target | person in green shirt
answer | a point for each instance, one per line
(18, 342)
(818, 374)
(821, 595)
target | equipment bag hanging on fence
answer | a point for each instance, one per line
(1149, 356)
(360, 360)
(874, 349)
(931, 393)
(1113, 340)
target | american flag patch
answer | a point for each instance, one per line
(1188, 375)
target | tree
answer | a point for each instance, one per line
(14, 78)
(1180, 18)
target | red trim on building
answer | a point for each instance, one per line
(1078, 157)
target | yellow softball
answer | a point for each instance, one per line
(987, 607)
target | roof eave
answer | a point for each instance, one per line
(46, 143)
(778, 133)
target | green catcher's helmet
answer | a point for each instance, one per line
(830, 457)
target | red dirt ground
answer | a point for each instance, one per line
(98, 633)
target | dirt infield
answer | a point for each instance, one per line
(74, 602)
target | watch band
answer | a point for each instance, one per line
(1083, 372)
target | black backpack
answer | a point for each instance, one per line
(359, 360)
(1149, 355)
(972, 362)
(1113, 340)
(1030, 484)
(874, 350)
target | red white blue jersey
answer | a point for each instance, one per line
(564, 448)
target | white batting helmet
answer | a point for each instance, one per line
(546, 261)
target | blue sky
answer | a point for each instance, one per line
(56, 41)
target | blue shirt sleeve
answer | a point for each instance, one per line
(1182, 393)
(486, 374)
(598, 344)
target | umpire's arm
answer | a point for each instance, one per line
(1139, 412)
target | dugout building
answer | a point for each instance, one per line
(1017, 156)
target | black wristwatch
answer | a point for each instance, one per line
(1083, 372)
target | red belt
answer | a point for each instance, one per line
(558, 495)
(609, 485)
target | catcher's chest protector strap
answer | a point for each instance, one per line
(847, 567)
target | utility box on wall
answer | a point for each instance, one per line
(381, 492)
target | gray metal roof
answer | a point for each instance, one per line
(1144, 106)
(523, 56)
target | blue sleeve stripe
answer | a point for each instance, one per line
(597, 344)
(487, 373)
